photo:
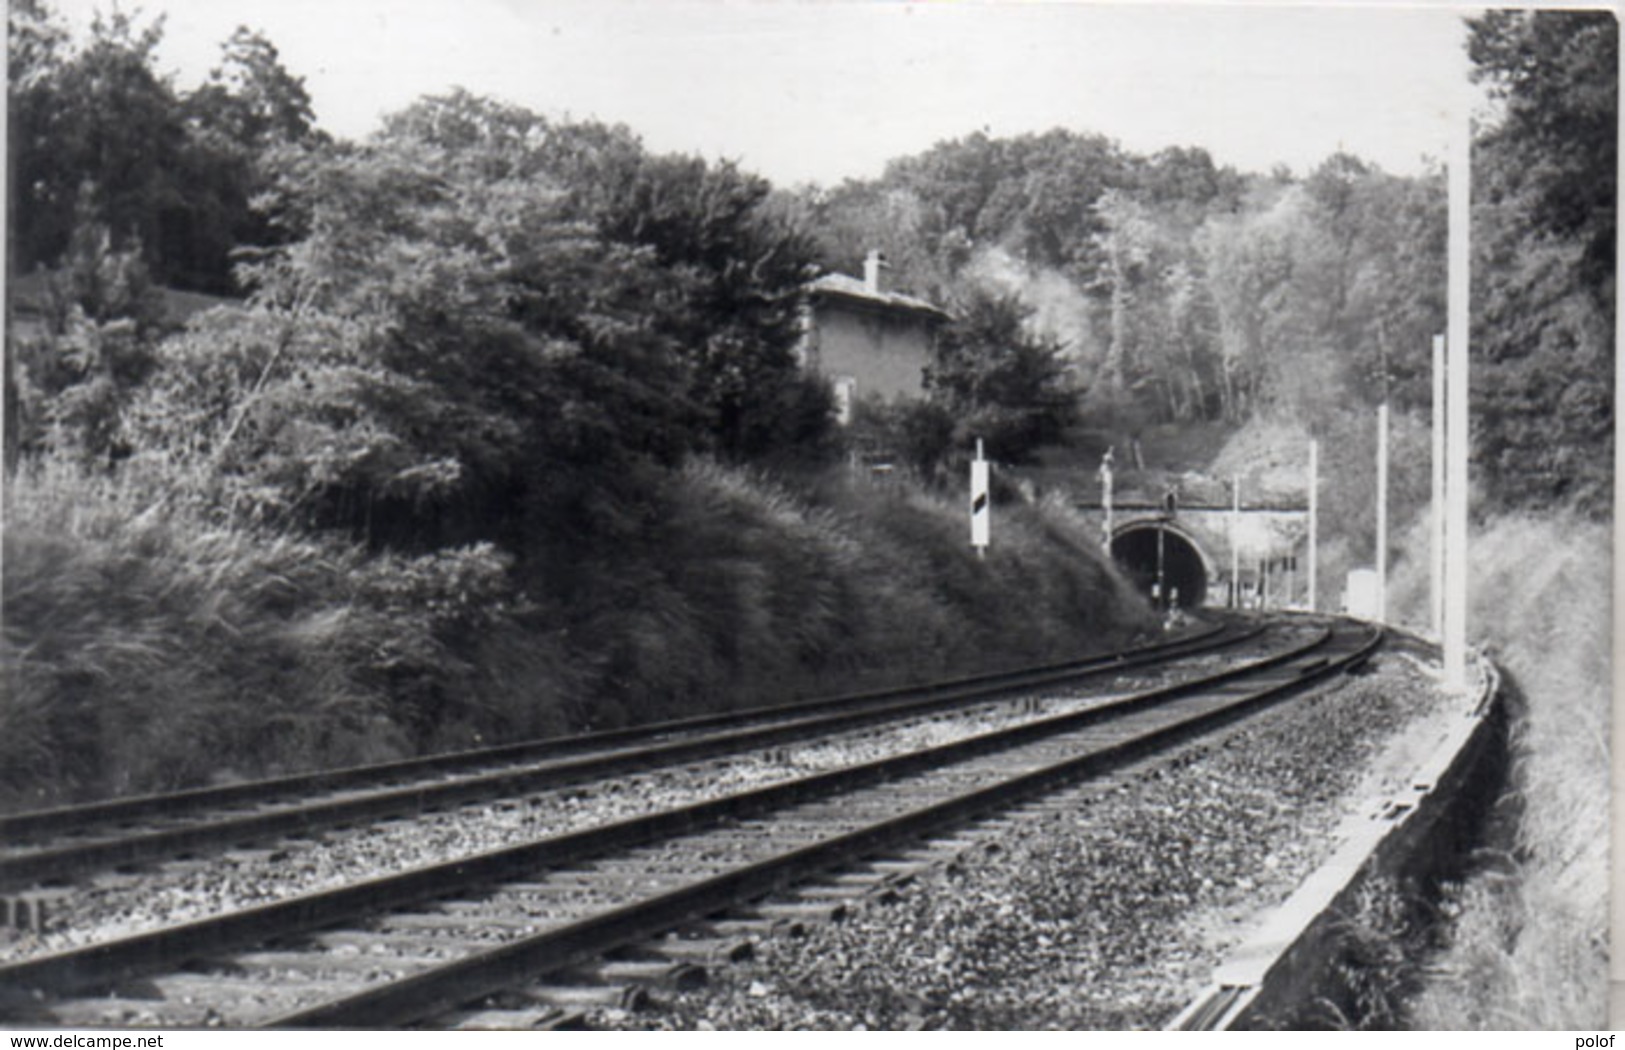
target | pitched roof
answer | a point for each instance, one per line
(839, 285)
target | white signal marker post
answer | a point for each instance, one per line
(1459, 183)
(1382, 512)
(1106, 500)
(979, 509)
(1314, 517)
(1436, 522)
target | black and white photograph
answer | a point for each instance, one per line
(807, 515)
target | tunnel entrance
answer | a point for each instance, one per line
(1184, 573)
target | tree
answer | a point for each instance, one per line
(34, 46)
(1163, 324)
(493, 339)
(100, 317)
(250, 105)
(452, 345)
(98, 133)
(724, 265)
(1249, 262)
(1186, 176)
(857, 217)
(1544, 216)
(740, 271)
(1555, 148)
(251, 98)
(998, 380)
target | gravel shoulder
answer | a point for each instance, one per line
(1109, 914)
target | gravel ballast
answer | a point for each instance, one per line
(115, 905)
(1108, 915)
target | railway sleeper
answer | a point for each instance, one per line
(369, 942)
(325, 964)
(455, 921)
(760, 929)
(872, 875)
(629, 878)
(638, 865)
(937, 851)
(785, 832)
(798, 911)
(700, 949)
(663, 974)
(561, 905)
(191, 1000)
(123, 1012)
(32, 910)
(319, 963)
(879, 891)
(522, 1019)
(587, 996)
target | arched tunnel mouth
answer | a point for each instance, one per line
(1184, 575)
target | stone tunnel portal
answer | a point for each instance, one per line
(1184, 571)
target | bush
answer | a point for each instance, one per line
(145, 654)
(147, 649)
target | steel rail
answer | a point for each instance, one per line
(447, 986)
(55, 820)
(831, 716)
(101, 965)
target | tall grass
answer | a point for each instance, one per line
(762, 594)
(1528, 945)
(144, 651)
(147, 648)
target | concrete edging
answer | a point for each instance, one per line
(1281, 963)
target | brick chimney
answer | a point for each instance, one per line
(873, 263)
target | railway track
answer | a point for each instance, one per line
(433, 945)
(56, 846)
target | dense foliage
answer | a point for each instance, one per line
(98, 134)
(476, 449)
(1131, 293)
(1181, 292)
(1546, 180)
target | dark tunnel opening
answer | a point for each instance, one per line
(1184, 576)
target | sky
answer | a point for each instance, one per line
(823, 90)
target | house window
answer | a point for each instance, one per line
(846, 391)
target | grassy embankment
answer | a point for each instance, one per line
(1527, 946)
(145, 650)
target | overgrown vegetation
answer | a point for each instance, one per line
(1528, 944)
(502, 434)
(147, 648)
(498, 428)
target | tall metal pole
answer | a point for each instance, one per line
(1457, 385)
(1382, 512)
(1235, 532)
(1436, 522)
(1314, 518)
(1162, 586)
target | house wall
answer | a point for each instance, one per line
(885, 353)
